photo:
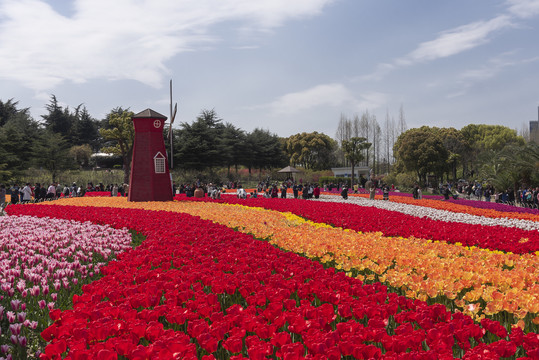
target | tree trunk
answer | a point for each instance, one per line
(127, 172)
(352, 183)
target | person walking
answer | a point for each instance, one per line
(2, 197)
(316, 191)
(51, 192)
(344, 192)
(26, 193)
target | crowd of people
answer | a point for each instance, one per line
(527, 197)
(40, 192)
(524, 196)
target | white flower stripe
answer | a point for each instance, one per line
(434, 214)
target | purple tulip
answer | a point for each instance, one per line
(15, 328)
(22, 341)
(21, 317)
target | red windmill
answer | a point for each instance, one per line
(150, 177)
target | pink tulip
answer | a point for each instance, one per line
(21, 285)
(10, 316)
(15, 304)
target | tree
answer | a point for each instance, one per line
(81, 154)
(59, 120)
(264, 150)
(388, 140)
(85, 129)
(16, 139)
(233, 146)
(517, 165)
(200, 145)
(402, 126)
(353, 150)
(422, 151)
(486, 137)
(457, 146)
(51, 151)
(311, 150)
(120, 132)
(8, 110)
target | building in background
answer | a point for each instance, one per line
(534, 129)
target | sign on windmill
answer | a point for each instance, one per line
(150, 176)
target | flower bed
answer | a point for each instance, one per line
(196, 289)
(494, 206)
(456, 206)
(391, 223)
(476, 281)
(43, 262)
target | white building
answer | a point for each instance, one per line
(346, 172)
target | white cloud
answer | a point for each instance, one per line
(321, 95)
(523, 8)
(121, 39)
(456, 40)
(332, 95)
(489, 70)
(450, 42)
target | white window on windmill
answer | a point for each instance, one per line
(159, 163)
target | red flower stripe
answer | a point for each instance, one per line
(195, 289)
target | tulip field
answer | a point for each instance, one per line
(269, 279)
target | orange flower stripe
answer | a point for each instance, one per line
(421, 268)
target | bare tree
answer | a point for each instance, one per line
(364, 131)
(388, 140)
(376, 136)
(402, 127)
(355, 126)
(344, 133)
(525, 132)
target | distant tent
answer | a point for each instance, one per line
(289, 169)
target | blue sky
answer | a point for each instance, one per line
(288, 66)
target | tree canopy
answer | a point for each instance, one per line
(313, 151)
(120, 133)
(422, 150)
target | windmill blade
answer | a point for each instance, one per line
(173, 117)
